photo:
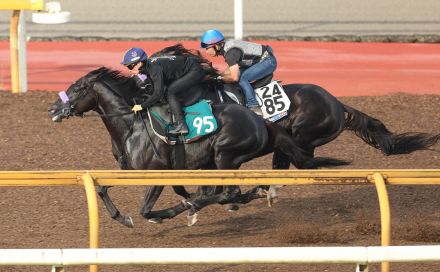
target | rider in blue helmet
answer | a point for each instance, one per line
(211, 37)
(134, 59)
(246, 61)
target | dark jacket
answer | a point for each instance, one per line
(163, 71)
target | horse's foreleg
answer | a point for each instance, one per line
(111, 208)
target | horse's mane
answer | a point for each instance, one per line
(125, 86)
(180, 50)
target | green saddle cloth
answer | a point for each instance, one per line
(200, 120)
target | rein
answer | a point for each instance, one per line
(65, 100)
(155, 151)
(108, 115)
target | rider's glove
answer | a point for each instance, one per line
(137, 108)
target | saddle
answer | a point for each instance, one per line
(198, 117)
(262, 82)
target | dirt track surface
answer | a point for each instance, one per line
(50, 217)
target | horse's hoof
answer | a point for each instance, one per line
(232, 207)
(192, 219)
(128, 222)
(156, 220)
(261, 192)
(271, 201)
(272, 194)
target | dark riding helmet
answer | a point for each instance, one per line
(211, 37)
(133, 56)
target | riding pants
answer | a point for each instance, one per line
(193, 77)
(255, 72)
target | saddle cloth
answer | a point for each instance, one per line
(198, 117)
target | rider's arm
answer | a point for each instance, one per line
(232, 73)
(156, 74)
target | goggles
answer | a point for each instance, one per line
(131, 66)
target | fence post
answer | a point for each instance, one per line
(13, 40)
(238, 19)
(22, 53)
(385, 214)
(92, 204)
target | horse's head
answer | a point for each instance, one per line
(78, 98)
(101, 86)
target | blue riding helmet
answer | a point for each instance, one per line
(211, 37)
(134, 55)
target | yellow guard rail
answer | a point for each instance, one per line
(89, 179)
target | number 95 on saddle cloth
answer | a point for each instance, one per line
(200, 120)
(198, 117)
(273, 100)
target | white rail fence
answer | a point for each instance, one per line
(362, 256)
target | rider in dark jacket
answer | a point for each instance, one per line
(178, 73)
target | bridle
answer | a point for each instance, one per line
(70, 109)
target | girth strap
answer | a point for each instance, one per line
(179, 154)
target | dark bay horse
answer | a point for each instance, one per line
(316, 118)
(242, 136)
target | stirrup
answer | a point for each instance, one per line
(180, 129)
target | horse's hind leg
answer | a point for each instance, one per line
(111, 208)
(229, 193)
(180, 190)
(279, 161)
(255, 193)
(157, 216)
(151, 197)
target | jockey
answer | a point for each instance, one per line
(132, 60)
(246, 62)
(179, 73)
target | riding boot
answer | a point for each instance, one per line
(180, 127)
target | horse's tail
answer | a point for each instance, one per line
(374, 133)
(299, 157)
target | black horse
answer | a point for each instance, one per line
(316, 118)
(242, 136)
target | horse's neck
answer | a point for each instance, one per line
(128, 131)
(113, 110)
